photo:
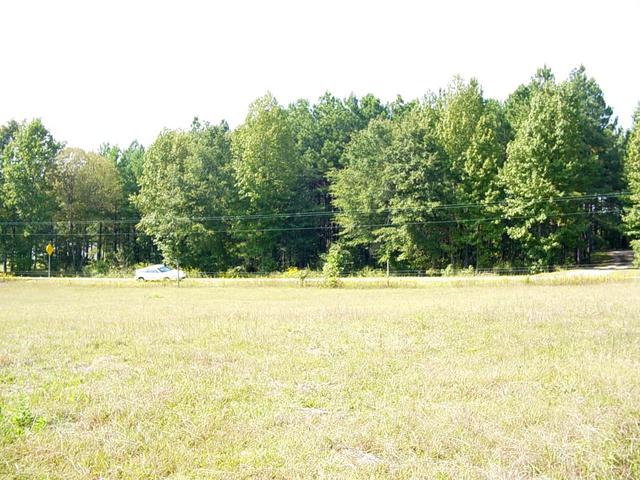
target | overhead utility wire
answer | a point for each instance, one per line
(324, 227)
(320, 213)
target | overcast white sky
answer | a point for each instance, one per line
(98, 71)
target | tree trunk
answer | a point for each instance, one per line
(4, 251)
(72, 247)
(13, 249)
(99, 255)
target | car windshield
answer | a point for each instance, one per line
(164, 269)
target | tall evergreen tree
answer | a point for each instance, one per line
(131, 244)
(395, 175)
(7, 132)
(546, 161)
(454, 178)
(29, 173)
(602, 141)
(89, 193)
(270, 176)
(187, 179)
(632, 174)
(473, 133)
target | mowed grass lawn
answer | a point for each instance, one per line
(140, 381)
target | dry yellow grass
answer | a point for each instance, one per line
(479, 381)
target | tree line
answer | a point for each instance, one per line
(451, 180)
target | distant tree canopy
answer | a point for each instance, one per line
(453, 179)
(632, 173)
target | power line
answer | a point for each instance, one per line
(327, 227)
(323, 213)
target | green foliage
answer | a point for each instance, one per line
(28, 177)
(187, 178)
(543, 163)
(445, 150)
(128, 241)
(18, 420)
(452, 179)
(451, 271)
(635, 245)
(473, 133)
(269, 176)
(98, 268)
(294, 272)
(265, 162)
(560, 149)
(632, 175)
(87, 186)
(337, 262)
(234, 272)
(29, 171)
(370, 272)
(129, 164)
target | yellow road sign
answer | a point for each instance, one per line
(49, 249)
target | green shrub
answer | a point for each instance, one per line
(337, 263)
(268, 265)
(369, 272)
(291, 272)
(192, 272)
(538, 268)
(502, 268)
(449, 271)
(234, 272)
(19, 420)
(467, 272)
(98, 268)
(635, 245)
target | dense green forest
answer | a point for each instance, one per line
(452, 180)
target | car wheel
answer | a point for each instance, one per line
(141, 279)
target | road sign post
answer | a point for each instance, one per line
(49, 249)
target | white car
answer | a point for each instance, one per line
(158, 272)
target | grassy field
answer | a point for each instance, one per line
(120, 380)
